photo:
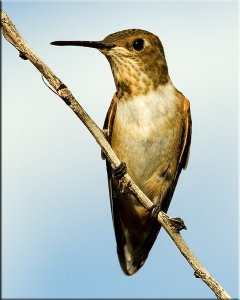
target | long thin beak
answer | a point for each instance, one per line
(91, 44)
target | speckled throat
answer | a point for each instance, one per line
(135, 77)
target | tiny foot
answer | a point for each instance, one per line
(120, 171)
(154, 210)
(118, 174)
(178, 224)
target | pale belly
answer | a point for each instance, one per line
(147, 137)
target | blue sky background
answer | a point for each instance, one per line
(58, 239)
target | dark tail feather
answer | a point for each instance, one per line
(132, 260)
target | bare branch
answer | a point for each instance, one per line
(12, 36)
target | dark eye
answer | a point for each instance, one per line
(138, 44)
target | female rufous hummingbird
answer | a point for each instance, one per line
(148, 125)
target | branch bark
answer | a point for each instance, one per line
(12, 36)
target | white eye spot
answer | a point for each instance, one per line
(147, 43)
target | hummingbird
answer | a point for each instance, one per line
(148, 125)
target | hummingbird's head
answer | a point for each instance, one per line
(136, 57)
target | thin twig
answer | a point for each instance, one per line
(12, 36)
